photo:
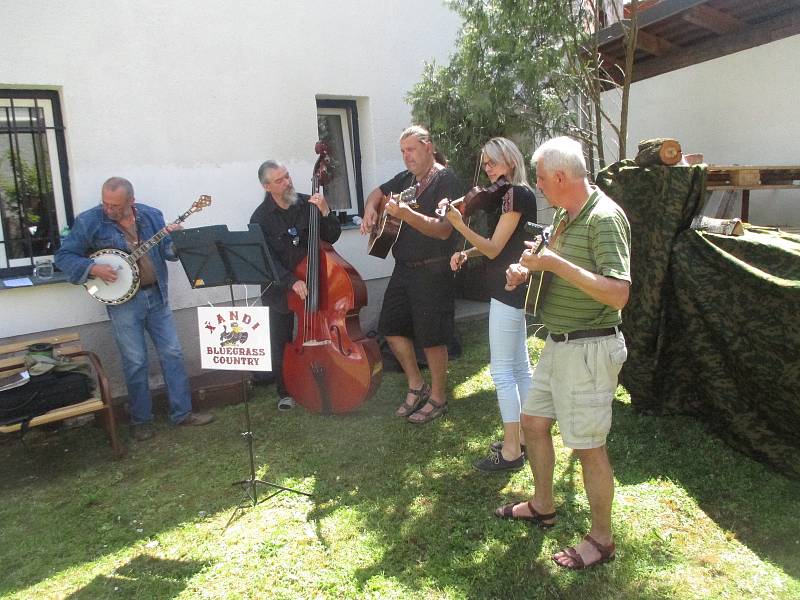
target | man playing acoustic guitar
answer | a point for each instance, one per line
(418, 304)
(118, 222)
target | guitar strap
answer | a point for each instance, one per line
(428, 179)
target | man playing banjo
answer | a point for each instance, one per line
(122, 224)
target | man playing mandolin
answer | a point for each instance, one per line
(575, 380)
(121, 223)
(418, 305)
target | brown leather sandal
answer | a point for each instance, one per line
(426, 417)
(422, 394)
(507, 512)
(575, 561)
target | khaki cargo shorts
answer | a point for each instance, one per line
(574, 383)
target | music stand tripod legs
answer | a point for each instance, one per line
(213, 256)
(250, 485)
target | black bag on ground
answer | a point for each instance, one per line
(43, 393)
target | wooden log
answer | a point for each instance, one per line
(658, 151)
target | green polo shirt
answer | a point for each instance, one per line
(598, 240)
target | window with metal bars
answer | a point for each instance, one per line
(35, 202)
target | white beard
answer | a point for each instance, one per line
(290, 196)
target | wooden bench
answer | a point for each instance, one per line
(12, 360)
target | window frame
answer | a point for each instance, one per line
(350, 109)
(63, 200)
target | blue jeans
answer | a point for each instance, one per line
(509, 364)
(147, 312)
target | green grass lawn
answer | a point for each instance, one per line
(397, 510)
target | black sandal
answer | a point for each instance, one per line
(422, 394)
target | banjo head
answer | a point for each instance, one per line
(124, 287)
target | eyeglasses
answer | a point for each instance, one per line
(489, 164)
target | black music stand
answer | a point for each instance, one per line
(213, 256)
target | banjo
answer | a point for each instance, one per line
(124, 263)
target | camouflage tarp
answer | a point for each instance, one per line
(659, 202)
(712, 319)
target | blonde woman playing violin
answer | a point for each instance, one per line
(509, 365)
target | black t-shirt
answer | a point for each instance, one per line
(411, 245)
(522, 200)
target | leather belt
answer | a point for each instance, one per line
(149, 286)
(582, 334)
(414, 264)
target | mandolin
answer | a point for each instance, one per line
(541, 233)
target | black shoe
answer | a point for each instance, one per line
(263, 381)
(142, 431)
(498, 446)
(495, 462)
(195, 419)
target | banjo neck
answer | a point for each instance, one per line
(145, 247)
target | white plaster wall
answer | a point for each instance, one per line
(189, 97)
(737, 109)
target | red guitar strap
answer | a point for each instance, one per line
(428, 179)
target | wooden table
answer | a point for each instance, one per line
(746, 178)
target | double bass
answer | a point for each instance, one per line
(330, 367)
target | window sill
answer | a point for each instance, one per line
(26, 281)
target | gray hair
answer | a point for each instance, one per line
(424, 136)
(112, 184)
(267, 165)
(418, 131)
(501, 150)
(562, 154)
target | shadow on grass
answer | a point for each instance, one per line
(412, 489)
(141, 577)
(759, 507)
(431, 513)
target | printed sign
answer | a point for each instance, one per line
(234, 338)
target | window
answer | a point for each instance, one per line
(34, 187)
(337, 123)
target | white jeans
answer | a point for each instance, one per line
(510, 365)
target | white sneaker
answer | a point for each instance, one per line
(286, 403)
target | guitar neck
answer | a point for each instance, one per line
(144, 248)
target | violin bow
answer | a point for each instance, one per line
(475, 177)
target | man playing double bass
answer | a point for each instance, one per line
(284, 218)
(418, 304)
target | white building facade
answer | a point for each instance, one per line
(188, 98)
(739, 109)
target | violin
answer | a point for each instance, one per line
(478, 198)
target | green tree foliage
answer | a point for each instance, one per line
(521, 70)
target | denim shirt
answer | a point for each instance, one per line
(93, 230)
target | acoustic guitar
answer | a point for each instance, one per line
(127, 282)
(387, 228)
